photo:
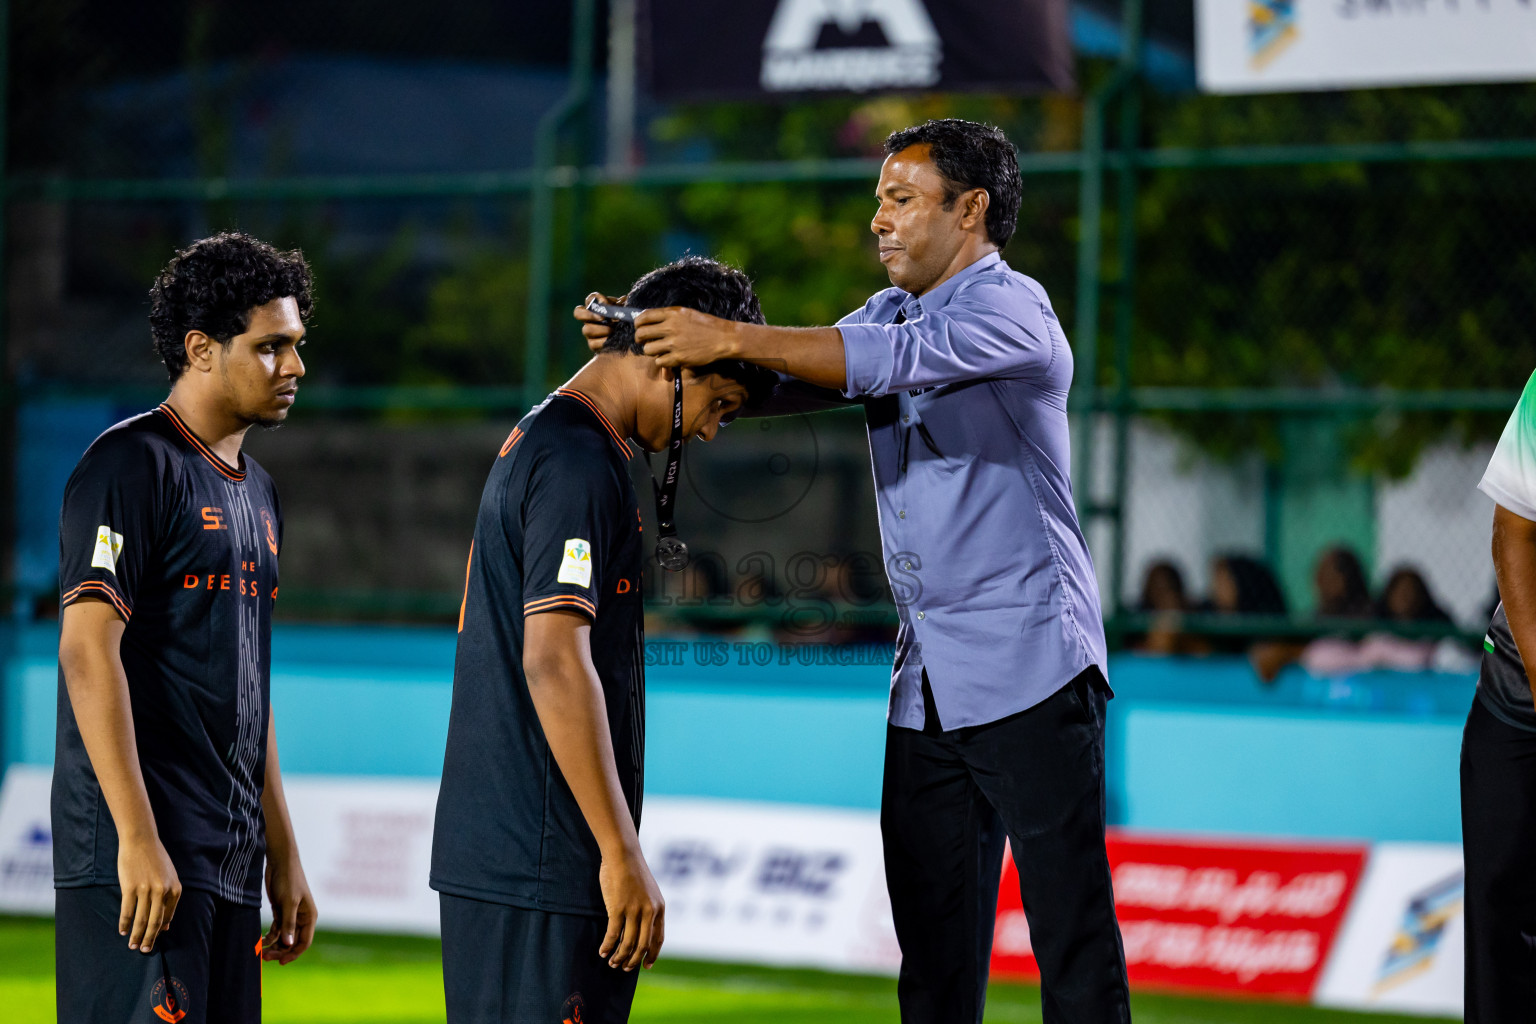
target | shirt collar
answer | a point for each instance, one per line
(940, 296)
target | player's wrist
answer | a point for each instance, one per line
(620, 847)
(138, 831)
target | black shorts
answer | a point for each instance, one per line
(205, 970)
(507, 965)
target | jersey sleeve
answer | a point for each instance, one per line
(572, 516)
(109, 523)
(1511, 476)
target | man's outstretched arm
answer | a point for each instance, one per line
(690, 338)
(89, 640)
(568, 697)
(1514, 561)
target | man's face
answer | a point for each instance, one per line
(260, 369)
(919, 238)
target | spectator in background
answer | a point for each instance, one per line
(1241, 585)
(1342, 592)
(1339, 584)
(1165, 600)
(1406, 599)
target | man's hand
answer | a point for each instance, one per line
(593, 327)
(678, 336)
(293, 911)
(151, 890)
(636, 912)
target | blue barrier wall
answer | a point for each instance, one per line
(1194, 744)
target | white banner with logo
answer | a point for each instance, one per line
(773, 884)
(26, 843)
(1293, 45)
(367, 849)
(1401, 948)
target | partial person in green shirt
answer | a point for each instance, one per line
(1498, 753)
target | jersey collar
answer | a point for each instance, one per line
(608, 426)
(219, 464)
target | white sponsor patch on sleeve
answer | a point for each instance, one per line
(108, 546)
(576, 563)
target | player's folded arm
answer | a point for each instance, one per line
(990, 330)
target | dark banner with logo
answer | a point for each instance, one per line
(701, 49)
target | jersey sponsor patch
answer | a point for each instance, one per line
(108, 546)
(576, 564)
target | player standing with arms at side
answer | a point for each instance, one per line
(1498, 749)
(996, 720)
(166, 791)
(547, 903)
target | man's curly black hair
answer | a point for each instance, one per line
(971, 155)
(708, 286)
(213, 285)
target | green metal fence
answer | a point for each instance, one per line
(1116, 174)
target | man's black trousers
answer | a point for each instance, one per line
(1498, 834)
(950, 798)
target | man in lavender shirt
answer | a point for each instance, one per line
(996, 722)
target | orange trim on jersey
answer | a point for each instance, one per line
(584, 400)
(545, 604)
(512, 439)
(219, 464)
(97, 586)
(467, 563)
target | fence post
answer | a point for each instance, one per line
(541, 241)
(7, 406)
(1090, 204)
(1125, 307)
(1089, 283)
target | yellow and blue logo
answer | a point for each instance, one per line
(1271, 28)
(1413, 948)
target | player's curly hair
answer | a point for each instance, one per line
(213, 285)
(708, 286)
(971, 155)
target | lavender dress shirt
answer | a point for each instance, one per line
(966, 402)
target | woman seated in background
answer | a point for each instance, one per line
(1342, 592)
(1406, 598)
(1241, 585)
(1165, 602)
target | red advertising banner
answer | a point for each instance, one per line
(1217, 916)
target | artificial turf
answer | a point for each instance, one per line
(375, 979)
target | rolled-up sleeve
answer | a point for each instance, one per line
(990, 330)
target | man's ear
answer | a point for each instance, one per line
(976, 203)
(199, 348)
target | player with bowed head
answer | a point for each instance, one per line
(547, 903)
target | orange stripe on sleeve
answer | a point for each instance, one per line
(560, 601)
(95, 588)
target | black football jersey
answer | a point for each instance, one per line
(558, 530)
(185, 548)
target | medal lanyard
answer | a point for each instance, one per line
(671, 553)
